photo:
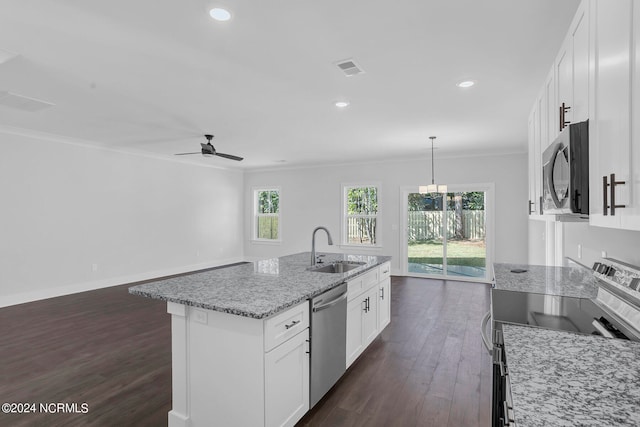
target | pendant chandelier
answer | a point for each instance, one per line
(433, 187)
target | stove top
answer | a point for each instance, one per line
(614, 313)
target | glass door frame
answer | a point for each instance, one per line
(489, 190)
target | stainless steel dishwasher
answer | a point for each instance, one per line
(328, 341)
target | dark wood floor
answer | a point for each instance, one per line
(112, 350)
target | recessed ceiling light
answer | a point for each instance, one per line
(220, 14)
(466, 83)
(342, 104)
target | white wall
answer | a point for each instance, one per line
(619, 244)
(312, 196)
(66, 207)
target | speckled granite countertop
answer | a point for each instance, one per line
(259, 289)
(577, 281)
(567, 379)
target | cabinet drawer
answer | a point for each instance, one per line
(361, 283)
(281, 327)
(384, 271)
(354, 288)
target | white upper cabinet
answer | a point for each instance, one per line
(614, 99)
(535, 168)
(579, 35)
(572, 73)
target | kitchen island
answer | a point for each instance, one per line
(240, 336)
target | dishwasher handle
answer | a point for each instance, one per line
(483, 332)
(331, 303)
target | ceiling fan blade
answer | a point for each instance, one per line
(229, 156)
(184, 154)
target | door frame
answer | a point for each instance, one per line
(489, 205)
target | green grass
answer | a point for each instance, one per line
(459, 252)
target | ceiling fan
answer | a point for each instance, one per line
(208, 150)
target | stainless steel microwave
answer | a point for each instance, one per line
(565, 172)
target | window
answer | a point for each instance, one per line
(360, 213)
(266, 222)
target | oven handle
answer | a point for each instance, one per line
(483, 332)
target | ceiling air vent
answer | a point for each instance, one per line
(349, 67)
(21, 102)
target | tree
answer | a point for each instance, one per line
(362, 205)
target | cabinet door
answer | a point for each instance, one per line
(630, 219)
(580, 45)
(535, 157)
(610, 127)
(564, 81)
(550, 119)
(384, 304)
(370, 316)
(355, 344)
(287, 381)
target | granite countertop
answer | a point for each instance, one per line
(567, 379)
(259, 289)
(576, 281)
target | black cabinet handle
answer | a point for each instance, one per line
(292, 324)
(530, 210)
(382, 293)
(563, 110)
(612, 189)
(605, 204)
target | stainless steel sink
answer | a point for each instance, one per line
(338, 267)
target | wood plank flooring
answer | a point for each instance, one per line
(427, 368)
(112, 350)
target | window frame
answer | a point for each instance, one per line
(255, 215)
(345, 216)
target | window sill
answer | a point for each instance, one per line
(361, 247)
(265, 242)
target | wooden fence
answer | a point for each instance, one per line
(428, 225)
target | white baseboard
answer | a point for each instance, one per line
(40, 294)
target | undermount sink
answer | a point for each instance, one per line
(338, 267)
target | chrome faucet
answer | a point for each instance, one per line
(313, 243)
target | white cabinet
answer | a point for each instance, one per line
(362, 322)
(367, 312)
(238, 371)
(286, 380)
(615, 98)
(572, 72)
(384, 303)
(355, 342)
(370, 316)
(535, 158)
(384, 296)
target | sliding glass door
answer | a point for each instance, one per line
(446, 234)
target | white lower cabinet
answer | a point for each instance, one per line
(384, 303)
(232, 370)
(368, 311)
(286, 376)
(355, 342)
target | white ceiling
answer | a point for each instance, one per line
(154, 75)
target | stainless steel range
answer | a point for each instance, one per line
(606, 303)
